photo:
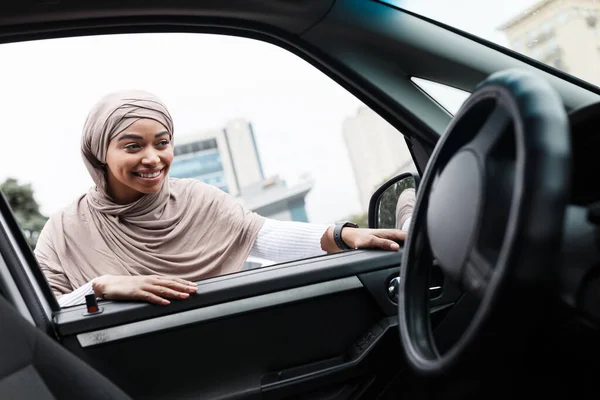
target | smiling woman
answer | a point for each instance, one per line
(139, 235)
(127, 178)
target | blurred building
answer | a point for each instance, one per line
(377, 152)
(561, 33)
(229, 159)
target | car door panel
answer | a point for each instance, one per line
(232, 287)
(238, 350)
(315, 327)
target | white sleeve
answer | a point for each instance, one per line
(77, 296)
(406, 224)
(282, 241)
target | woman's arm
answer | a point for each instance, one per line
(77, 296)
(282, 241)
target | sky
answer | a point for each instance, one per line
(205, 80)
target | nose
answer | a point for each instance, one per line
(151, 158)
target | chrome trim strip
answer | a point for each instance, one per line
(94, 338)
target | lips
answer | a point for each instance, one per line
(149, 175)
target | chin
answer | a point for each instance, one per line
(146, 189)
(149, 190)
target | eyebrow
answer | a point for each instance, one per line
(138, 137)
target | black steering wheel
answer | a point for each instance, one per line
(490, 210)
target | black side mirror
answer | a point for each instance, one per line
(387, 204)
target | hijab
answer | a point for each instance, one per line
(188, 229)
(405, 206)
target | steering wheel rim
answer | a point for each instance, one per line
(511, 136)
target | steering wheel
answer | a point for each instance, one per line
(489, 209)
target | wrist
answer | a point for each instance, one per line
(99, 285)
(327, 241)
(348, 234)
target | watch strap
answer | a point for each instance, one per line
(337, 234)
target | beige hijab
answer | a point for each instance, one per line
(405, 206)
(188, 229)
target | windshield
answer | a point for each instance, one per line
(564, 34)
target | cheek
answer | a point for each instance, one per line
(117, 161)
(168, 157)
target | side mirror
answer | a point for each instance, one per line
(388, 203)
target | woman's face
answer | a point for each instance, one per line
(138, 160)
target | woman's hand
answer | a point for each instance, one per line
(153, 289)
(357, 238)
(386, 239)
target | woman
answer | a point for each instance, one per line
(139, 235)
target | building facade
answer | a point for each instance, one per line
(229, 159)
(561, 33)
(377, 152)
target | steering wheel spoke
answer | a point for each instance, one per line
(477, 273)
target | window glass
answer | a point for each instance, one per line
(448, 97)
(256, 121)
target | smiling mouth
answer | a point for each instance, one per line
(149, 175)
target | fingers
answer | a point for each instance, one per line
(183, 281)
(177, 284)
(393, 234)
(386, 239)
(390, 239)
(165, 292)
(168, 278)
(379, 243)
(150, 298)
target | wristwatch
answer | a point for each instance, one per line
(337, 234)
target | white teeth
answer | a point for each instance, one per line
(153, 175)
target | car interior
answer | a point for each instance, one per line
(505, 224)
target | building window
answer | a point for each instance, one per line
(196, 166)
(559, 64)
(519, 46)
(195, 147)
(563, 16)
(532, 37)
(547, 28)
(591, 21)
(537, 52)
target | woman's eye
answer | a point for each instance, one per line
(163, 143)
(132, 146)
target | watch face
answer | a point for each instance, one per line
(347, 223)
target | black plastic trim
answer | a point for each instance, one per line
(31, 296)
(70, 321)
(364, 355)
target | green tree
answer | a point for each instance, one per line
(25, 208)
